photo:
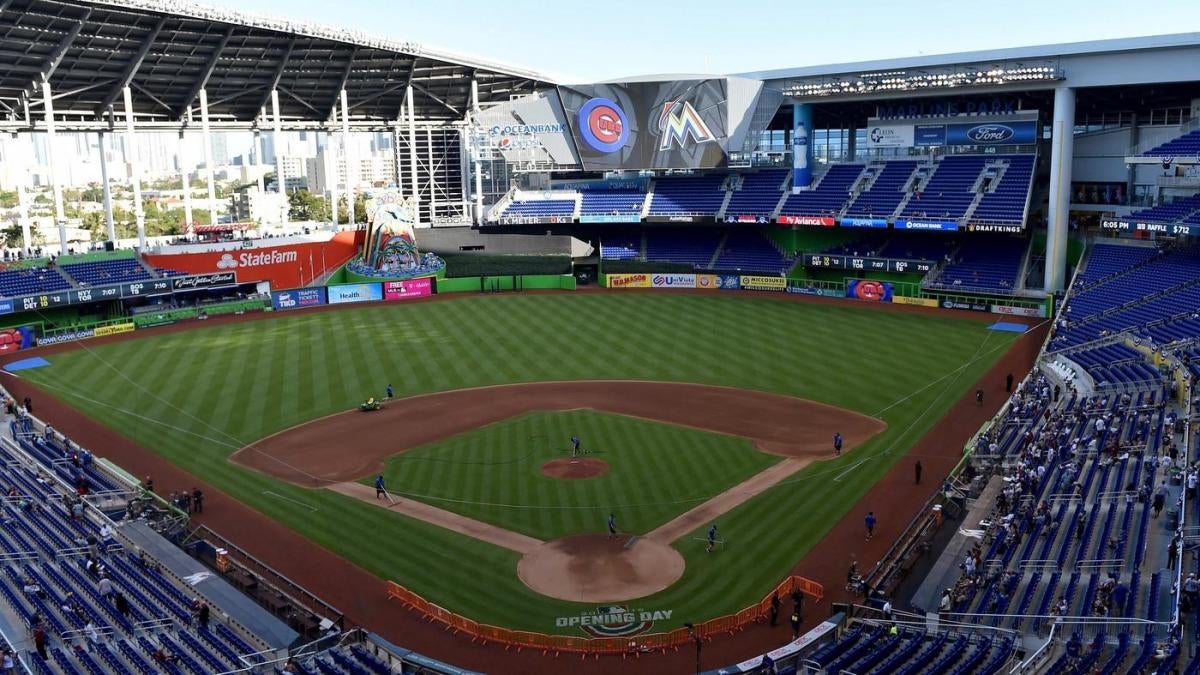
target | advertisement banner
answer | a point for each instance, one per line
(648, 125)
(993, 133)
(675, 219)
(708, 282)
(115, 329)
(729, 282)
(617, 218)
(297, 298)
(1038, 312)
(1178, 229)
(409, 288)
(744, 218)
(912, 224)
(534, 220)
(66, 337)
(970, 306)
(890, 136)
(925, 135)
(761, 283)
(822, 221)
(531, 129)
(802, 120)
(866, 289)
(920, 302)
(204, 281)
(673, 281)
(863, 222)
(345, 293)
(629, 281)
(287, 266)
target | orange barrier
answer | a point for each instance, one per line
(556, 644)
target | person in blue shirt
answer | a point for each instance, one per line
(712, 538)
(870, 523)
(380, 487)
(612, 526)
(837, 443)
(574, 446)
(389, 390)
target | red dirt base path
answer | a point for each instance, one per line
(575, 468)
(359, 594)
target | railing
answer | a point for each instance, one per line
(642, 643)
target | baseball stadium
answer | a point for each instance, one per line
(878, 367)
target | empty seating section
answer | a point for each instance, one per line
(984, 263)
(1169, 212)
(693, 246)
(612, 202)
(107, 271)
(620, 244)
(540, 207)
(38, 579)
(748, 250)
(1116, 364)
(1107, 260)
(828, 197)
(28, 281)
(917, 246)
(869, 243)
(869, 649)
(688, 195)
(1160, 296)
(885, 193)
(948, 192)
(759, 194)
(1005, 204)
(1187, 145)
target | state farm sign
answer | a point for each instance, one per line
(290, 266)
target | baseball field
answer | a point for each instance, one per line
(473, 450)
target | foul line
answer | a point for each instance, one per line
(297, 502)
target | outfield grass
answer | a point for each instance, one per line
(656, 472)
(197, 396)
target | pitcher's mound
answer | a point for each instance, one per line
(599, 568)
(574, 468)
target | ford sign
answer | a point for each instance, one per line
(990, 133)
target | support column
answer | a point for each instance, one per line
(351, 182)
(60, 217)
(206, 134)
(475, 151)
(331, 172)
(259, 153)
(185, 175)
(412, 147)
(802, 121)
(1062, 149)
(135, 169)
(280, 179)
(109, 222)
(22, 192)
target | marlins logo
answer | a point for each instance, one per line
(678, 121)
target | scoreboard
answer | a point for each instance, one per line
(132, 289)
(857, 263)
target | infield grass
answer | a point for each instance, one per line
(197, 396)
(656, 472)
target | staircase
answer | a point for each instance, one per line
(717, 252)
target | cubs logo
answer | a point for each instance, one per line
(603, 125)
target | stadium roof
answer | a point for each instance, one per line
(1095, 48)
(167, 51)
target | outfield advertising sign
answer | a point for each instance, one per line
(1038, 312)
(611, 218)
(708, 282)
(66, 337)
(297, 298)
(115, 329)
(629, 281)
(346, 293)
(761, 283)
(409, 288)
(915, 224)
(729, 282)
(866, 289)
(673, 281)
(820, 221)
(863, 222)
(971, 306)
(920, 302)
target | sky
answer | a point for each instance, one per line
(588, 40)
